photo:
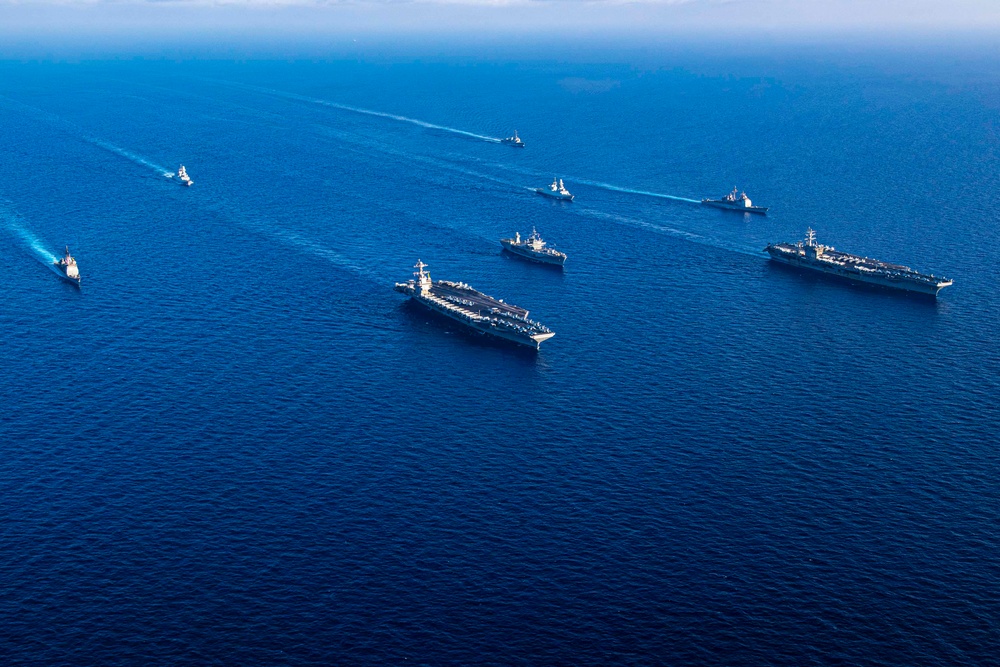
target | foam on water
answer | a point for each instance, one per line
(16, 224)
(129, 155)
(773, 465)
(369, 112)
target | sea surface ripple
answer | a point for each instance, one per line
(236, 445)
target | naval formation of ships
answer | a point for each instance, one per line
(488, 315)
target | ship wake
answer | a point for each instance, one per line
(371, 112)
(15, 224)
(618, 188)
(270, 228)
(129, 155)
(669, 231)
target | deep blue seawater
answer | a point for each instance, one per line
(236, 445)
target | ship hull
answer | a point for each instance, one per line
(844, 273)
(62, 276)
(478, 327)
(554, 195)
(541, 259)
(760, 210)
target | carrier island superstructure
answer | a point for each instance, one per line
(474, 309)
(810, 255)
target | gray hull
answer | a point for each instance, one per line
(483, 328)
(554, 195)
(532, 256)
(476, 311)
(62, 274)
(739, 208)
(856, 275)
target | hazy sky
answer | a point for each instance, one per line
(102, 22)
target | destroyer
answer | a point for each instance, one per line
(474, 309)
(183, 178)
(808, 254)
(514, 141)
(68, 269)
(533, 248)
(556, 190)
(735, 202)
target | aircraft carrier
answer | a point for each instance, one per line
(810, 255)
(474, 309)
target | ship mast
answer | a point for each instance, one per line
(423, 281)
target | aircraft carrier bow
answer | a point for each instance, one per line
(474, 309)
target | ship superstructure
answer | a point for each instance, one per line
(514, 141)
(556, 190)
(67, 268)
(735, 202)
(474, 309)
(810, 255)
(183, 178)
(533, 248)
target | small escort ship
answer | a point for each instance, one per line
(514, 141)
(556, 190)
(736, 202)
(67, 268)
(533, 248)
(474, 309)
(810, 255)
(183, 178)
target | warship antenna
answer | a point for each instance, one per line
(423, 281)
(810, 237)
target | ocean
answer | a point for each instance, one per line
(235, 444)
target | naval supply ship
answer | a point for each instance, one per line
(474, 309)
(810, 255)
(183, 178)
(514, 141)
(556, 190)
(735, 202)
(533, 248)
(67, 268)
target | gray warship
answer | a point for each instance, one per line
(183, 178)
(514, 141)
(474, 309)
(810, 255)
(67, 268)
(736, 202)
(556, 190)
(533, 248)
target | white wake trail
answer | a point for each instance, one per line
(16, 224)
(669, 231)
(371, 112)
(618, 188)
(129, 155)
